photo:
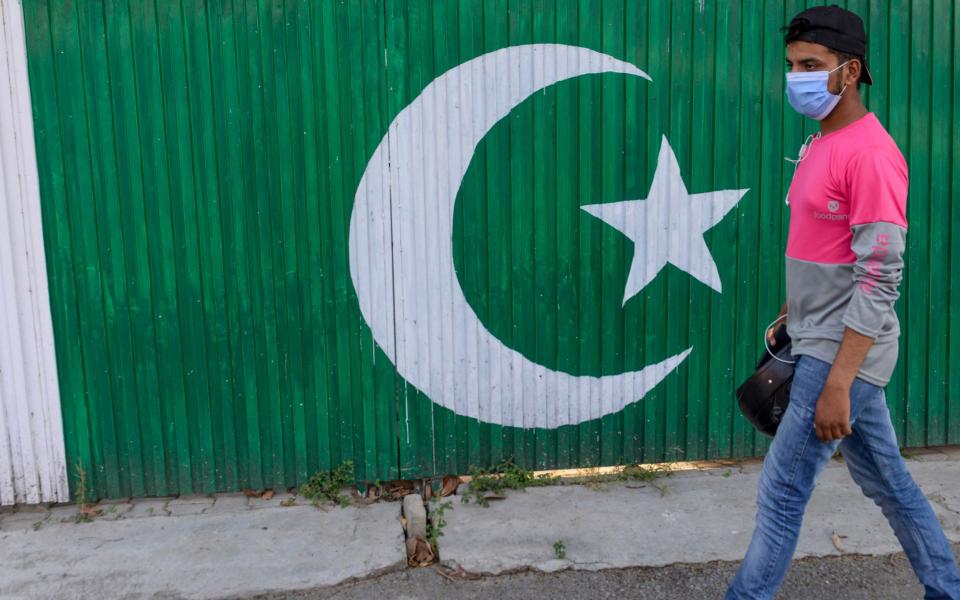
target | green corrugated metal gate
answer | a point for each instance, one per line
(200, 161)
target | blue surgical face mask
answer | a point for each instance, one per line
(808, 93)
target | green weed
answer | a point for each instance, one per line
(647, 474)
(81, 495)
(326, 485)
(436, 523)
(643, 473)
(487, 484)
(559, 549)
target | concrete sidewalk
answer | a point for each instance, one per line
(224, 547)
(231, 546)
(688, 517)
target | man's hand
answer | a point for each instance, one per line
(832, 419)
(772, 332)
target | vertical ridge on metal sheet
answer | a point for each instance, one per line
(32, 460)
(939, 232)
(953, 216)
(917, 273)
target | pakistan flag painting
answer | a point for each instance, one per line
(453, 349)
(410, 295)
(425, 237)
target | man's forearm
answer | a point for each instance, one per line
(853, 350)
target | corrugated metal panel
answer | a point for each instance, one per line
(285, 234)
(32, 461)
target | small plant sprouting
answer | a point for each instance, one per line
(81, 495)
(647, 474)
(559, 549)
(727, 473)
(436, 523)
(485, 484)
(326, 485)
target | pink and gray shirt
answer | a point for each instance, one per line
(848, 227)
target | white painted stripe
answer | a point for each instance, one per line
(32, 458)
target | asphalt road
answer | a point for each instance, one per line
(847, 577)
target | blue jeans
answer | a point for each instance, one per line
(791, 468)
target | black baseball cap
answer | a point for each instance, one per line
(835, 28)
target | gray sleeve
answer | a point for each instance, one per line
(876, 276)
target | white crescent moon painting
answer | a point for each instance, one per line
(401, 250)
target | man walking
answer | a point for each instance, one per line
(843, 265)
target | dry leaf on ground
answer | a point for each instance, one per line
(395, 490)
(266, 495)
(450, 485)
(836, 542)
(419, 552)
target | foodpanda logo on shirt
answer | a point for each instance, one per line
(833, 206)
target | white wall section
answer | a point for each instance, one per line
(32, 458)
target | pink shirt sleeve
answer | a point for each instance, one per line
(878, 183)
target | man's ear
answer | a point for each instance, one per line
(852, 72)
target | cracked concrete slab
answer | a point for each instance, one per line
(63, 512)
(938, 454)
(27, 519)
(698, 517)
(115, 510)
(276, 500)
(150, 507)
(228, 503)
(193, 505)
(201, 556)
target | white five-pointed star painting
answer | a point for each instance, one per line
(668, 226)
